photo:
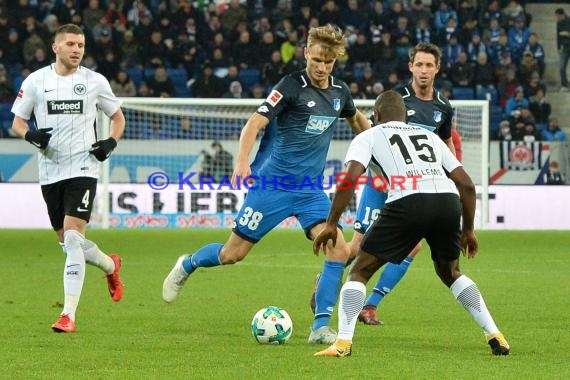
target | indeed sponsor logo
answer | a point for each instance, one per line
(59, 107)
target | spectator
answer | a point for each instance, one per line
(423, 32)
(504, 133)
(244, 52)
(475, 46)
(222, 162)
(233, 15)
(186, 131)
(540, 108)
(493, 32)
(461, 72)
(258, 91)
(144, 91)
(266, 47)
(553, 131)
(491, 12)
(92, 14)
(534, 85)
(513, 12)
(537, 51)
(6, 86)
(122, 85)
(484, 72)
(518, 131)
(531, 133)
(417, 13)
(235, 91)
(155, 51)
(355, 91)
(154, 131)
(563, 44)
(518, 35)
(526, 68)
(298, 62)
(160, 84)
(273, 70)
(553, 176)
(39, 59)
(207, 85)
(330, 14)
(444, 13)
(129, 51)
(515, 102)
(359, 52)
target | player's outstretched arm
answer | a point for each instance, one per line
(247, 139)
(469, 244)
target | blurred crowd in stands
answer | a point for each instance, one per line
(240, 49)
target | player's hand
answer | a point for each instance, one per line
(329, 232)
(469, 244)
(241, 172)
(102, 149)
(39, 137)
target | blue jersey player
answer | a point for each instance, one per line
(305, 107)
(427, 108)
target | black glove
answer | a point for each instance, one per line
(39, 137)
(102, 149)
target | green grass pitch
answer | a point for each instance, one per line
(205, 334)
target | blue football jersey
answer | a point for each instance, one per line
(305, 119)
(435, 115)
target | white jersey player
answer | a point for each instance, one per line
(422, 203)
(62, 101)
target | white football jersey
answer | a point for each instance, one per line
(412, 159)
(69, 105)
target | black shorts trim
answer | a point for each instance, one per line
(244, 237)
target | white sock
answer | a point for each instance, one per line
(73, 272)
(467, 294)
(94, 256)
(352, 295)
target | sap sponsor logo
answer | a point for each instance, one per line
(263, 109)
(64, 107)
(318, 124)
(274, 98)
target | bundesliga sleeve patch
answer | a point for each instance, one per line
(274, 98)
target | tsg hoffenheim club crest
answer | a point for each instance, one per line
(336, 104)
(437, 116)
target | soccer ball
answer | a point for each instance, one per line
(271, 325)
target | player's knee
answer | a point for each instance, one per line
(72, 237)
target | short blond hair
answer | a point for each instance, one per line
(330, 37)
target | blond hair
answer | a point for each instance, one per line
(331, 38)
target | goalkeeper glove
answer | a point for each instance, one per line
(102, 149)
(39, 137)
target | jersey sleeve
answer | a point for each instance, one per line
(280, 96)
(444, 130)
(25, 101)
(448, 160)
(360, 148)
(349, 108)
(108, 102)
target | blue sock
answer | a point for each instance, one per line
(327, 293)
(207, 256)
(389, 278)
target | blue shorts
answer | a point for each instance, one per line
(263, 210)
(371, 201)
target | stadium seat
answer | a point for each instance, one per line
(136, 75)
(179, 77)
(481, 94)
(496, 117)
(249, 77)
(462, 93)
